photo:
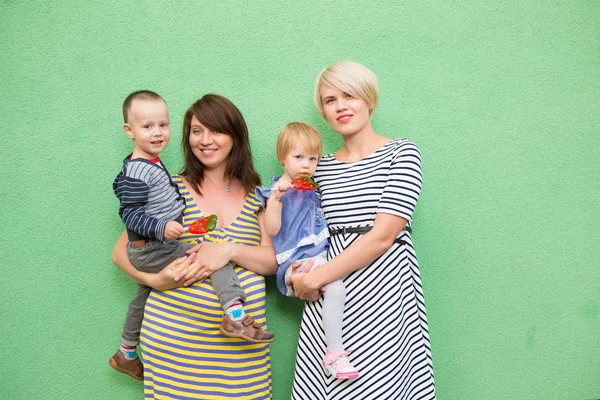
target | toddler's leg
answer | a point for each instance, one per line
(336, 360)
(236, 323)
(334, 300)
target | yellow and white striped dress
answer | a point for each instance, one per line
(185, 355)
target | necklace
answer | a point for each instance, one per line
(227, 190)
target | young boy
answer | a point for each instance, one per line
(293, 217)
(151, 208)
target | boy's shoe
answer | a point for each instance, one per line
(338, 365)
(246, 329)
(134, 368)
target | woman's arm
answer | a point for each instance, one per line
(260, 259)
(161, 281)
(213, 256)
(367, 248)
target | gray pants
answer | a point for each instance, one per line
(153, 257)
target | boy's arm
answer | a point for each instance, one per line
(133, 195)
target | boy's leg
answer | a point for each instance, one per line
(236, 323)
(135, 315)
(153, 257)
(125, 359)
(227, 286)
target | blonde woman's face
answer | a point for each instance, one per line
(345, 114)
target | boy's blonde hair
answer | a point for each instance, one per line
(296, 133)
(352, 78)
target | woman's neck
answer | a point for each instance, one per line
(217, 176)
(360, 145)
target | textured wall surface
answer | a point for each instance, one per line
(502, 99)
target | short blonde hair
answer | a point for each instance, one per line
(352, 78)
(296, 133)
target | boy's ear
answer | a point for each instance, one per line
(128, 131)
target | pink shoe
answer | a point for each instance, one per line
(338, 365)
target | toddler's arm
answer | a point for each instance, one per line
(274, 206)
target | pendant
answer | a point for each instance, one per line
(227, 189)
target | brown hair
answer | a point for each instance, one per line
(296, 133)
(220, 115)
(142, 95)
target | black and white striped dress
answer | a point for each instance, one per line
(385, 325)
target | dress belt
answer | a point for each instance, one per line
(363, 229)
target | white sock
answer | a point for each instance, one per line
(129, 352)
(236, 311)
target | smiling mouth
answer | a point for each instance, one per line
(208, 151)
(344, 118)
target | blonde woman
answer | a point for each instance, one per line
(369, 189)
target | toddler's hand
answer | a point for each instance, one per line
(283, 185)
(173, 230)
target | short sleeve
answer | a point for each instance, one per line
(263, 193)
(403, 184)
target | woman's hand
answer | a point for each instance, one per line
(209, 257)
(303, 284)
(166, 279)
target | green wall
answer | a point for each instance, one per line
(503, 99)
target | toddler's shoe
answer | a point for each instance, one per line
(134, 368)
(338, 365)
(246, 329)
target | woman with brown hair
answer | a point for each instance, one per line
(185, 355)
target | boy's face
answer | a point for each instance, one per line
(148, 126)
(300, 162)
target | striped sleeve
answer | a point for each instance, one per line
(133, 195)
(403, 184)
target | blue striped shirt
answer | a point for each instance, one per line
(149, 198)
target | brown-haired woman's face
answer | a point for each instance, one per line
(210, 148)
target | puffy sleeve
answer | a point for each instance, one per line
(403, 183)
(263, 193)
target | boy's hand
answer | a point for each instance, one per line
(173, 230)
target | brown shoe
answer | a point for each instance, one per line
(134, 368)
(246, 329)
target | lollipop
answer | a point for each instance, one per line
(203, 225)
